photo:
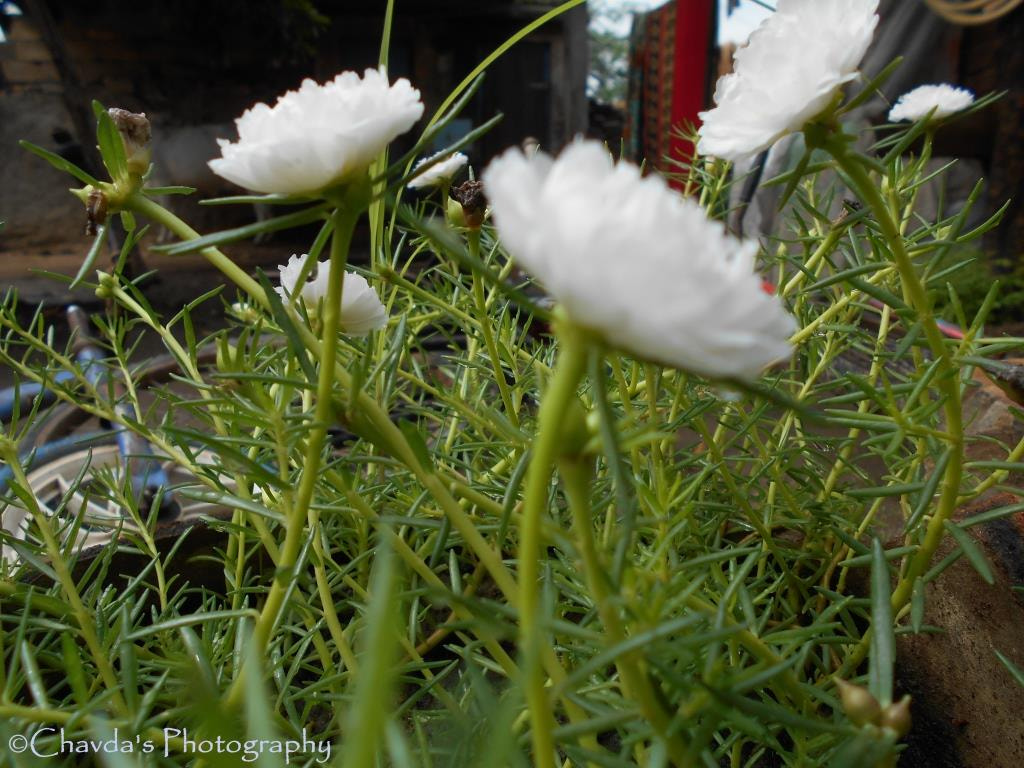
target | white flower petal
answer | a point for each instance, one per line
(786, 74)
(438, 174)
(918, 103)
(361, 308)
(318, 136)
(632, 260)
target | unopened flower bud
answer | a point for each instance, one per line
(245, 312)
(896, 717)
(227, 357)
(470, 195)
(106, 284)
(135, 132)
(453, 213)
(859, 705)
(575, 430)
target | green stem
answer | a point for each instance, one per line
(383, 432)
(344, 220)
(23, 489)
(141, 204)
(547, 445)
(473, 239)
(947, 380)
(577, 476)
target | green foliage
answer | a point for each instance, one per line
(357, 579)
(608, 74)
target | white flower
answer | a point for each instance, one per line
(361, 309)
(918, 103)
(629, 258)
(318, 136)
(786, 74)
(440, 173)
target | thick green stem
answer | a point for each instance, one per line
(947, 380)
(344, 220)
(546, 448)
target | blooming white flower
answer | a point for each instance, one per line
(918, 103)
(786, 74)
(634, 261)
(440, 173)
(361, 309)
(318, 136)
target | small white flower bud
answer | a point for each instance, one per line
(918, 104)
(361, 309)
(439, 174)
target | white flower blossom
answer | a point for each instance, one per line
(318, 136)
(632, 260)
(787, 74)
(918, 103)
(361, 309)
(440, 173)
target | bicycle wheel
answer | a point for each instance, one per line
(69, 480)
(64, 419)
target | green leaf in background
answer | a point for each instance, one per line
(971, 551)
(882, 659)
(288, 221)
(90, 257)
(1013, 669)
(60, 163)
(111, 144)
(367, 718)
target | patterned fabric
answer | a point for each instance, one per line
(652, 54)
(671, 48)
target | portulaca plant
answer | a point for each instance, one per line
(561, 472)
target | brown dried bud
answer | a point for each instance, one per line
(95, 211)
(470, 195)
(136, 133)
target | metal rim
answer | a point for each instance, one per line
(69, 490)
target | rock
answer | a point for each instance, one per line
(968, 709)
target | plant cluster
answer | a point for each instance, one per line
(462, 526)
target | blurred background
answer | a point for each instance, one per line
(633, 73)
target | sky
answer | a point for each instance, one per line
(735, 28)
